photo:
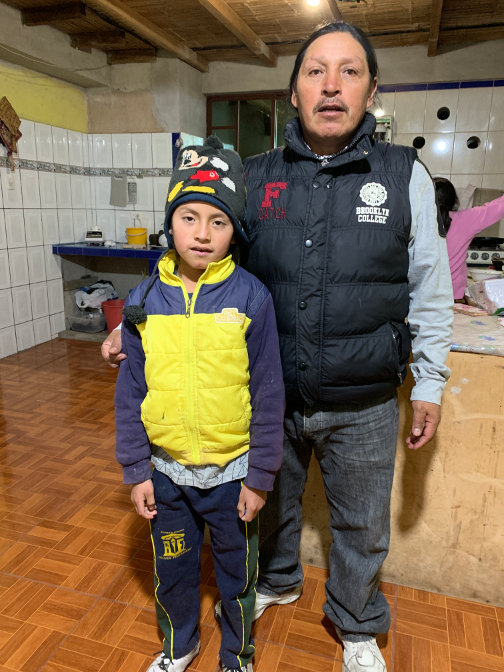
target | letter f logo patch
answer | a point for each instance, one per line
(272, 190)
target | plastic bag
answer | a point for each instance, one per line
(488, 294)
(93, 296)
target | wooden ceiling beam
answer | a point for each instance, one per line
(478, 34)
(229, 18)
(333, 6)
(435, 25)
(41, 16)
(132, 20)
(131, 56)
(98, 40)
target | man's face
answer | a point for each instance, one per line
(333, 89)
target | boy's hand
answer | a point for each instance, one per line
(250, 503)
(142, 496)
(111, 349)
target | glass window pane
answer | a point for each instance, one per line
(224, 113)
(285, 111)
(255, 127)
(227, 135)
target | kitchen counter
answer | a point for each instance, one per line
(448, 497)
(81, 249)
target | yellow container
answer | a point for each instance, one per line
(136, 236)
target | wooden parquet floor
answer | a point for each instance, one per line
(76, 588)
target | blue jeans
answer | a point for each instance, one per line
(355, 446)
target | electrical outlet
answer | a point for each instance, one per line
(10, 181)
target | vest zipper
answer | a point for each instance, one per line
(190, 365)
(396, 336)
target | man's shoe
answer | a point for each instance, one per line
(243, 668)
(265, 601)
(362, 657)
(165, 664)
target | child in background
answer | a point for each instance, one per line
(201, 395)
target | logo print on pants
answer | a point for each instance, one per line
(174, 545)
(267, 211)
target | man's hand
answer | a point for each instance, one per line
(250, 503)
(111, 349)
(142, 496)
(426, 417)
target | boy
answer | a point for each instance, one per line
(201, 395)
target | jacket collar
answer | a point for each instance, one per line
(361, 144)
(217, 271)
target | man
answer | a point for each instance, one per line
(344, 233)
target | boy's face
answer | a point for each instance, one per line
(201, 233)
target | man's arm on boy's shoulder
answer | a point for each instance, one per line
(267, 397)
(132, 444)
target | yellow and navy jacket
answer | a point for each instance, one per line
(202, 378)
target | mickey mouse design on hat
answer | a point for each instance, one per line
(207, 173)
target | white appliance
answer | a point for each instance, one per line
(483, 257)
(95, 236)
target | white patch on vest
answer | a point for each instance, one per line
(373, 193)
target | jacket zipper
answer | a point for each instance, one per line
(189, 374)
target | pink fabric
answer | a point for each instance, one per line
(465, 225)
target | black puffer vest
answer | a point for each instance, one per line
(330, 241)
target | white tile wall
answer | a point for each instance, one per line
(102, 190)
(60, 145)
(57, 323)
(6, 309)
(47, 190)
(76, 149)
(25, 336)
(465, 160)
(80, 225)
(44, 143)
(15, 228)
(42, 330)
(21, 302)
(122, 156)
(142, 150)
(18, 265)
(66, 226)
(3, 234)
(36, 264)
(5, 281)
(8, 344)
(27, 148)
(39, 300)
(162, 149)
(102, 151)
(55, 295)
(30, 188)
(12, 197)
(145, 197)
(63, 190)
(50, 227)
(434, 101)
(473, 111)
(78, 190)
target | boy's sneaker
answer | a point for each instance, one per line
(362, 657)
(165, 664)
(265, 601)
(243, 668)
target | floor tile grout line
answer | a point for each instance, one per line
(394, 627)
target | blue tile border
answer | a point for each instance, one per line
(476, 85)
(440, 86)
(79, 249)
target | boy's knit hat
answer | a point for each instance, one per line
(211, 174)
